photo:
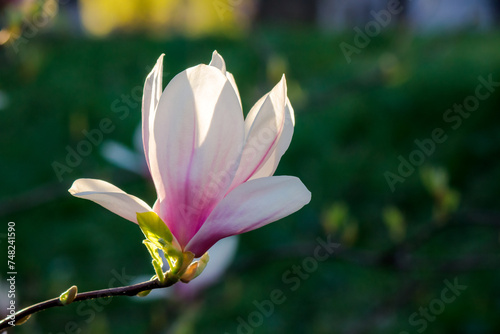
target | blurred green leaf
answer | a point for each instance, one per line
(395, 223)
(350, 233)
(335, 217)
(435, 180)
(446, 200)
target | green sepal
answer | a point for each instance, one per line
(173, 256)
(190, 272)
(203, 261)
(195, 269)
(158, 236)
(154, 229)
(182, 261)
(153, 251)
(159, 271)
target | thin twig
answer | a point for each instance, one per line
(130, 290)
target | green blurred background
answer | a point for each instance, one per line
(399, 248)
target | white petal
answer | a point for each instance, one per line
(264, 127)
(218, 62)
(150, 99)
(198, 134)
(269, 167)
(230, 77)
(109, 196)
(249, 206)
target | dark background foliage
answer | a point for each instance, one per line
(352, 122)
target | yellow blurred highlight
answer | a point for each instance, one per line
(4, 36)
(51, 7)
(276, 65)
(161, 17)
(350, 233)
(395, 222)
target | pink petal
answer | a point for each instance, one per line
(264, 126)
(150, 99)
(198, 134)
(249, 206)
(112, 198)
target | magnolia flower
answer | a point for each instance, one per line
(212, 169)
(222, 253)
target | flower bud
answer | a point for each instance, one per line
(68, 296)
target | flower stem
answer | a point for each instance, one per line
(131, 290)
